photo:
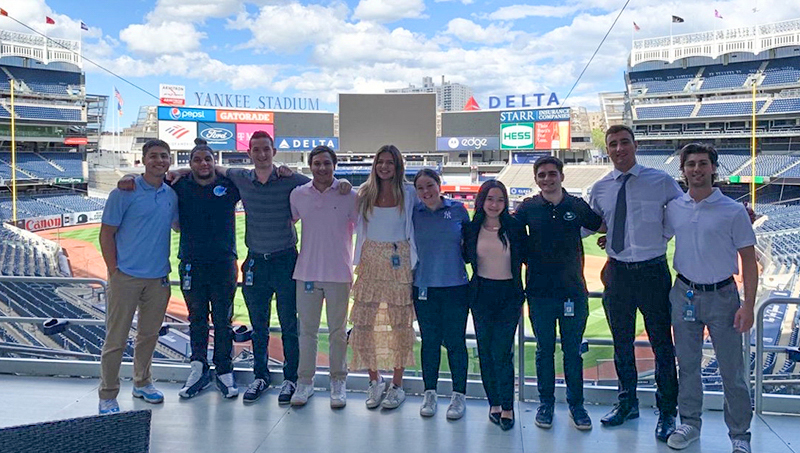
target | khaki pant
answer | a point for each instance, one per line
(309, 312)
(125, 295)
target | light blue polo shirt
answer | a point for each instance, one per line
(438, 237)
(143, 217)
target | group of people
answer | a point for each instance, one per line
(411, 251)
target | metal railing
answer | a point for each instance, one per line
(761, 348)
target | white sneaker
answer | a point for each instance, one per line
(458, 404)
(741, 446)
(108, 406)
(338, 393)
(428, 408)
(302, 394)
(227, 385)
(683, 436)
(394, 397)
(198, 380)
(375, 393)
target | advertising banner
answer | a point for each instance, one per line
(519, 191)
(43, 223)
(519, 116)
(516, 135)
(76, 141)
(78, 218)
(179, 135)
(172, 94)
(552, 135)
(526, 157)
(244, 116)
(467, 143)
(187, 114)
(220, 136)
(245, 131)
(305, 143)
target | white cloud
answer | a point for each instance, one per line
(515, 12)
(161, 38)
(468, 31)
(193, 10)
(389, 10)
(463, 2)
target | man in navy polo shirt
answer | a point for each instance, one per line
(556, 288)
(207, 206)
(135, 240)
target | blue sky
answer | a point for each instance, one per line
(320, 48)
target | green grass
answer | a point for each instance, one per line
(596, 327)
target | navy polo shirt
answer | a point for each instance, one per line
(207, 219)
(143, 218)
(555, 248)
(438, 238)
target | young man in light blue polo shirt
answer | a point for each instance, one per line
(135, 242)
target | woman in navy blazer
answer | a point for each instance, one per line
(494, 244)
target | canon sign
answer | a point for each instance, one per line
(466, 143)
(215, 134)
(43, 223)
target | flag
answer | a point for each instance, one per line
(48, 20)
(84, 26)
(717, 14)
(119, 98)
(3, 12)
(636, 27)
(119, 108)
(677, 20)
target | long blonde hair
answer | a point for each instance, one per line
(368, 192)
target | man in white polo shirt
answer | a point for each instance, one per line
(710, 229)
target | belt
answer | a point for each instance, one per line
(640, 264)
(272, 255)
(706, 287)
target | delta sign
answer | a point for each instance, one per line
(512, 101)
(305, 143)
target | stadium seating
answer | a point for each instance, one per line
(770, 164)
(658, 159)
(50, 205)
(784, 105)
(783, 71)
(47, 113)
(729, 108)
(44, 165)
(663, 81)
(664, 111)
(45, 81)
(730, 161)
(729, 76)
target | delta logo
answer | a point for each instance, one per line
(177, 131)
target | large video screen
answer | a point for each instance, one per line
(368, 121)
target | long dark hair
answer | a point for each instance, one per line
(480, 214)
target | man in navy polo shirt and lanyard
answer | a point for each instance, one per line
(556, 288)
(710, 229)
(207, 206)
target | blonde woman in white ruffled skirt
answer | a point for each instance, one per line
(383, 312)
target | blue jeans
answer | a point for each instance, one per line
(544, 314)
(213, 286)
(272, 275)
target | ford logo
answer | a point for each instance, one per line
(216, 134)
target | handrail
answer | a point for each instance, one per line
(775, 298)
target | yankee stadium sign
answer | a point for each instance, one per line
(245, 101)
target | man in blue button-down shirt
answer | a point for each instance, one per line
(135, 242)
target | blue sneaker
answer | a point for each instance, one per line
(199, 379)
(149, 393)
(108, 406)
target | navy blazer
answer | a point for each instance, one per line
(517, 239)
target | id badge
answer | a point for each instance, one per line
(396, 261)
(422, 294)
(187, 278)
(689, 312)
(569, 308)
(309, 287)
(248, 276)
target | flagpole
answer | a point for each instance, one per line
(13, 158)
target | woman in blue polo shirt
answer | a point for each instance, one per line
(440, 290)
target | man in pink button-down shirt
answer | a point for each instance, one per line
(324, 270)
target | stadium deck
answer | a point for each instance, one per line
(210, 423)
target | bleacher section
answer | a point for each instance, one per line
(43, 166)
(664, 112)
(731, 160)
(783, 71)
(43, 81)
(24, 253)
(729, 108)
(663, 81)
(770, 164)
(728, 76)
(50, 205)
(47, 113)
(661, 160)
(784, 105)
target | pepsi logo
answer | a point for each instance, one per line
(175, 113)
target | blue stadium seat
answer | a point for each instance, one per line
(664, 111)
(47, 113)
(784, 105)
(728, 76)
(729, 108)
(45, 81)
(663, 81)
(782, 71)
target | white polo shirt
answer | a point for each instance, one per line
(708, 236)
(647, 193)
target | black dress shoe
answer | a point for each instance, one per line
(506, 423)
(665, 426)
(620, 413)
(494, 417)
